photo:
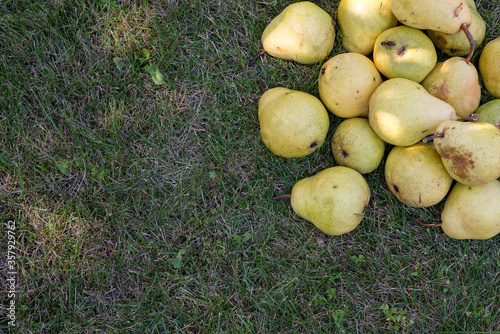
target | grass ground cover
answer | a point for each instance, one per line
(132, 165)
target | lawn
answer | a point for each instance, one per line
(133, 171)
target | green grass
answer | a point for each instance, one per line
(145, 208)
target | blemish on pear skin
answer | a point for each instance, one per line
(442, 39)
(323, 70)
(396, 189)
(313, 145)
(456, 11)
(462, 162)
(344, 154)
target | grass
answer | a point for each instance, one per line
(144, 208)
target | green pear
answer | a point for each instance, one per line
(355, 145)
(470, 151)
(302, 32)
(346, 82)
(404, 52)
(444, 15)
(489, 67)
(472, 5)
(361, 21)
(489, 112)
(402, 112)
(416, 175)
(333, 200)
(456, 82)
(292, 123)
(472, 212)
(458, 44)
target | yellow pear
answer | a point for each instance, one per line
(489, 67)
(404, 52)
(470, 151)
(489, 112)
(456, 82)
(346, 82)
(292, 123)
(361, 21)
(472, 212)
(458, 44)
(302, 32)
(443, 15)
(416, 175)
(402, 112)
(355, 145)
(333, 200)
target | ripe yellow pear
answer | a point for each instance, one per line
(416, 175)
(489, 112)
(292, 123)
(302, 32)
(470, 151)
(361, 21)
(333, 200)
(346, 82)
(443, 15)
(458, 44)
(404, 52)
(456, 82)
(489, 67)
(472, 212)
(402, 112)
(355, 145)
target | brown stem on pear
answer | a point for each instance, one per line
(425, 224)
(472, 42)
(280, 197)
(471, 118)
(431, 137)
(497, 124)
(252, 62)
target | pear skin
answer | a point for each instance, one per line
(416, 176)
(472, 212)
(402, 112)
(333, 200)
(489, 67)
(470, 151)
(302, 32)
(489, 112)
(292, 123)
(444, 15)
(361, 21)
(456, 82)
(346, 82)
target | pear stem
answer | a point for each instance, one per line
(431, 137)
(497, 124)
(280, 197)
(425, 224)
(471, 41)
(252, 62)
(471, 118)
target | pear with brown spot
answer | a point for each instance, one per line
(456, 82)
(470, 151)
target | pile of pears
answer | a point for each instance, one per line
(392, 95)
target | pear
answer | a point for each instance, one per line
(470, 151)
(361, 21)
(334, 199)
(404, 52)
(402, 112)
(458, 44)
(292, 123)
(456, 82)
(472, 212)
(448, 16)
(489, 112)
(416, 175)
(489, 67)
(355, 145)
(346, 82)
(302, 32)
